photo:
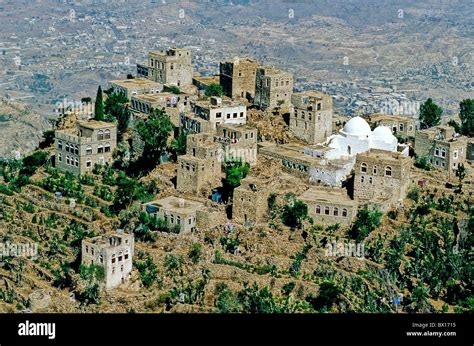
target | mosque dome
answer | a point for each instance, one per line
(383, 133)
(357, 127)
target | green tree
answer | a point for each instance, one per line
(461, 173)
(294, 212)
(147, 269)
(328, 295)
(235, 171)
(99, 105)
(116, 109)
(178, 145)
(430, 114)
(214, 89)
(194, 253)
(466, 114)
(154, 132)
(172, 89)
(366, 221)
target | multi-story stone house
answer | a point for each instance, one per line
(79, 149)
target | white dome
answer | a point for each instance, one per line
(357, 127)
(383, 133)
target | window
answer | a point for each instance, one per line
(348, 149)
(76, 162)
(107, 148)
(107, 134)
(87, 249)
(100, 149)
(443, 152)
(113, 258)
(219, 115)
(178, 220)
(370, 180)
(172, 216)
(228, 115)
(100, 135)
(326, 210)
(234, 115)
(126, 255)
(400, 127)
(67, 147)
(120, 256)
(88, 150)
(241, 114)
(101, 259)
(375, 170)
(362, 178)
(319, 106)
(388, 171)
(318, 209)
(88, 163)
(455, 154)
(344, 212)
(60, 145)
(190, 220)
(336, 211)
(59, 157)
(67, 159)
(76, 150)
(363, 167)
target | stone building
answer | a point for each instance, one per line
(190, 123)
(203, 82)
(401, 126)
(176, 211)
(238, 76)
(308, 163)
(273, 88)
(238, 142)
(135, 86)
(250, 201)
(200, 168)
(170, 67)
(113, 252)
(442, 147)
(144, 103)
(329, 206)
(79, 149)
(311, 117)
(381, 177)
(219, 110)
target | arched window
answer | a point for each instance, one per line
(120, 255)
(76, 162)
(400, 127)
(363, 167)
(336, 211)
(59, 157)
(318, 209)
(326, 210)
(388, 171)
(126, 254)
(76, 150)
(107, 148)
(100, 149)
(302, 115)
(100, 135)
(67, 147)
(60, 145)
(89, 163)
(88, 150)
(349, 150)
(107, 134)
(113, 258)
(344, 212)
(67, 159)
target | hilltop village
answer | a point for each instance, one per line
(221, 164)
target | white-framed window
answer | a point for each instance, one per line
(375, 170)
(100, 135)
(59, 157)
(363, 167)
(100, 149)
(455, 154)
(88, 150)
(60, 145)
(107, 134)
(318, 209)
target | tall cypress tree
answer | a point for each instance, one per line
(430, 114)
(466, 114)
(99, 105)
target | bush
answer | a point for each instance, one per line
(367, 220)
(423, 163)
(194, 253)
(5, 190)
(294, 212)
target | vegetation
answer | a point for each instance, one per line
(235, 171)
(172, 89)
(178, 145)
(366, 221)
(154, 132)
(147, 269)
(99, 105)
(294, 212)
(214, 89)
(430, 114)
(116, 109)
(423, 163)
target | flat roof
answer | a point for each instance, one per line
(157, 97)
(312, 93)
(383, 154)
(381, 116)
(95, 124)
(226, 102)
(327, 195)
(135, 83)
(182, 205)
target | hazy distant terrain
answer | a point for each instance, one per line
(66, 48)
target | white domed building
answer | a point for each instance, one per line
(357, 137)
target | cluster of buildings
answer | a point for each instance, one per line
(366, 162)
